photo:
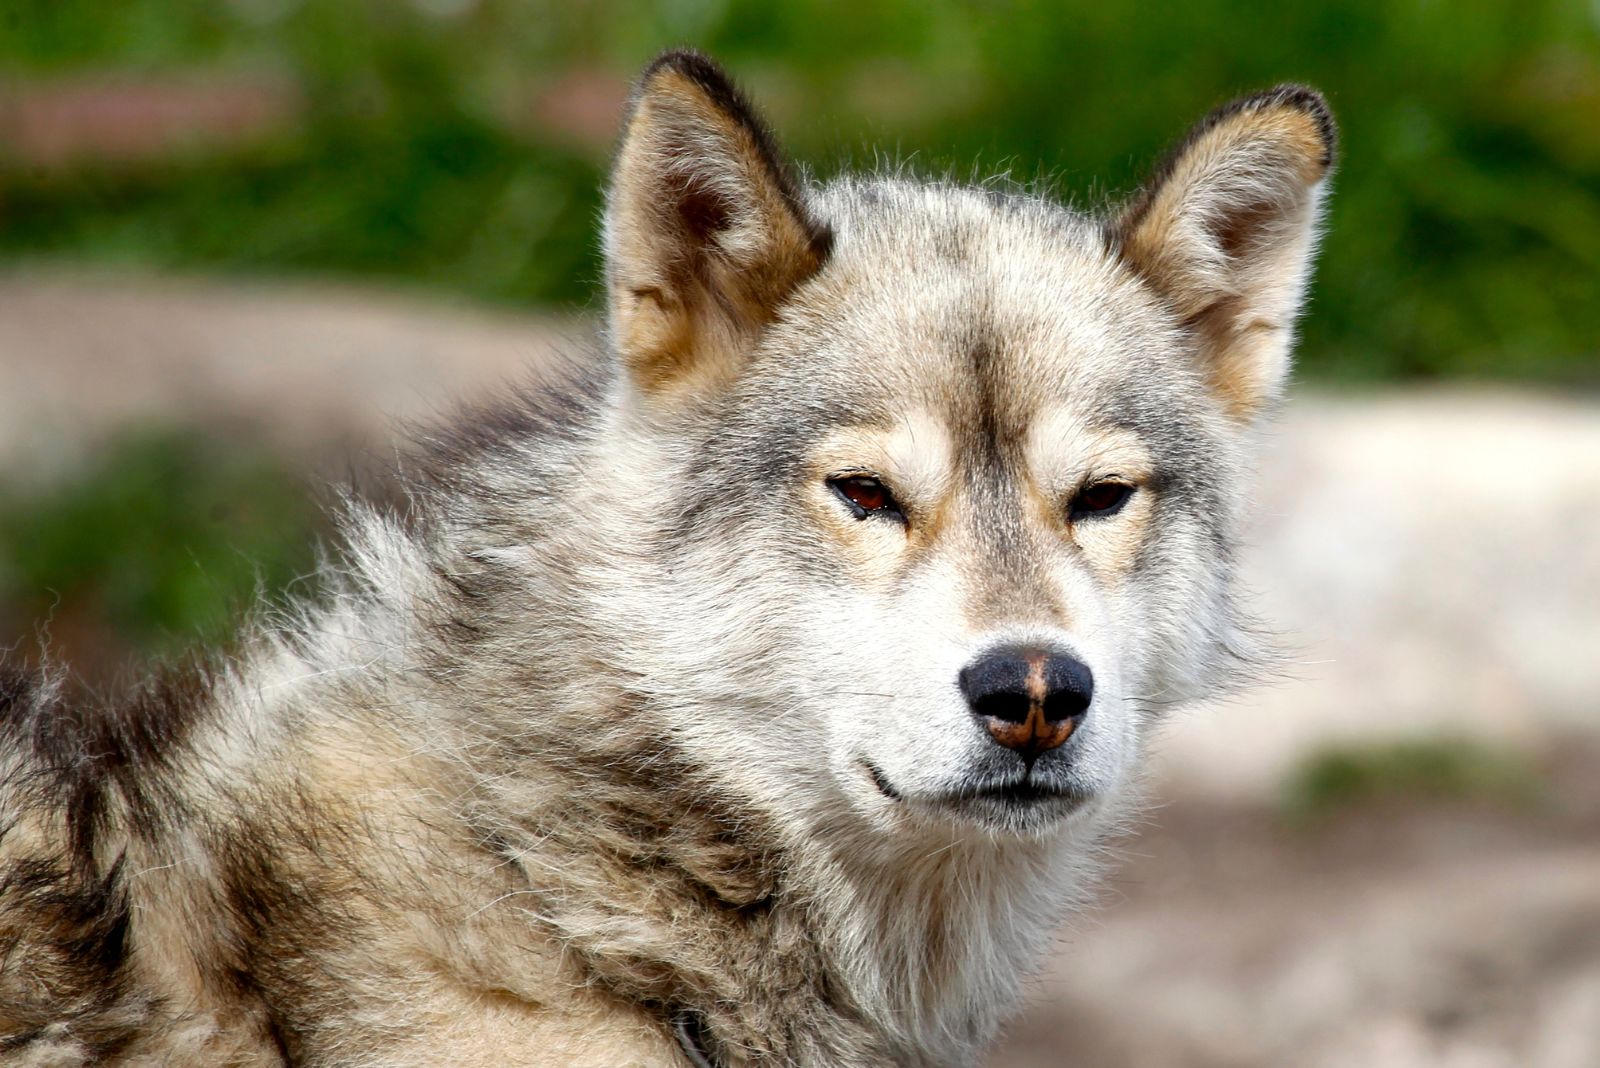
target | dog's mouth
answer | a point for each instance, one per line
(881, 781)
(1021, 793)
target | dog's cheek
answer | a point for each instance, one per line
(894, 660)
(1111, 546)
(1178, 600)
(864, 553)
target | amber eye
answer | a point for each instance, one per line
(866, 496)
(1100, 499)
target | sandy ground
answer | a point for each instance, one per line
(1431, 558)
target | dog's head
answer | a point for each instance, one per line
(954, 472)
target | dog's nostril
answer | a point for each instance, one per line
(1030, 700)
(1066, 703)
(1012, 707)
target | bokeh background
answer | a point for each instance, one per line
(242, 242)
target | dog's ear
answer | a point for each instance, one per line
(705, 231)
(1227, 230)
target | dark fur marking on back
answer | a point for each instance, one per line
(79, 752)
(500, 427)
(67, 932)
(65, 911)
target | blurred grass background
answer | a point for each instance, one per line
(1407, 772)
(460, 146)
(164, 538)
(461, 143)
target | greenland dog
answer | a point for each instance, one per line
(759, 699)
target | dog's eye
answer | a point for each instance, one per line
(1099, 499)
(866, 496)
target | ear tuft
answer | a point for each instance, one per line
(706, 230)
(1226, 232)
(1290, 96)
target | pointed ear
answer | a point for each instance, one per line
(1227, 230)
(705, 232)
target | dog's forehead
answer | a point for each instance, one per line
(978, 306)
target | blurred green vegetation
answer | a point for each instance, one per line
(1464, 237)
(166, 536)
(1422, 769)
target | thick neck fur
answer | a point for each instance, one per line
(833, 951)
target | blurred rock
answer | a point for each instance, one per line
(1431, 560)
(312, 370)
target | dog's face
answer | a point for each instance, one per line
(959, 470)
(1000, 494)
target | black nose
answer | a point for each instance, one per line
(1030, 700)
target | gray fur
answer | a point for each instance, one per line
(625, 721)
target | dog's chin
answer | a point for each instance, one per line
(1021, 805)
